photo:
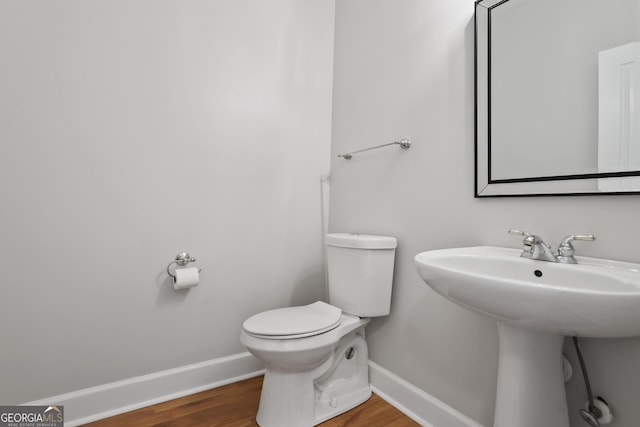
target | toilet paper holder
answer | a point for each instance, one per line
(182, 259)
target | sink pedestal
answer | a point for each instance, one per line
(530, 390)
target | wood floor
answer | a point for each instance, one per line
(235, 405)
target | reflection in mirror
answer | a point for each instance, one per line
(557, 88)
(618, 116)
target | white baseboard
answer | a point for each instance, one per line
(95, 403)
(418, 405)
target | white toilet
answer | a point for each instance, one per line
(315, 356)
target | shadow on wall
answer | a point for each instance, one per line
(310, 286)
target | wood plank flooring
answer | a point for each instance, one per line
(235, 405)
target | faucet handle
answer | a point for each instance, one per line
(515, 232)
(584, 237)
(528, 237)
(566, 249)
(533, 247)
(528, 243)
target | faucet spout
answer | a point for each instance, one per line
(534, 247)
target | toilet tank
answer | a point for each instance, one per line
(360, 270)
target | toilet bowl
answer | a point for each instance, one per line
(316, 356)
(312, 378)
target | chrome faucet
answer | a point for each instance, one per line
(566, 249)
(535, 248)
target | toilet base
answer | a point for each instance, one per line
(324, 411)
(305, 399)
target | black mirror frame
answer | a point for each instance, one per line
(485, 186)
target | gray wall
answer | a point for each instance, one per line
(130, 131)
(405, 69)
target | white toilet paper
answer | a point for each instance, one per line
(186, 278)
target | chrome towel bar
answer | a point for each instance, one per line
(403, 143)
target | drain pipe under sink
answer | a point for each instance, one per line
(597, 411)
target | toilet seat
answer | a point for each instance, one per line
(294, 322)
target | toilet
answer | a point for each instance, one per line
(315, 356)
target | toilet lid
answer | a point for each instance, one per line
(294, 322)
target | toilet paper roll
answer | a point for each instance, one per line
(186, 278)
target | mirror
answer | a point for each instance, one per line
(557, 97)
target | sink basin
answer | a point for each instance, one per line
(536, 303)
(594, 298)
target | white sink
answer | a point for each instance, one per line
(536, 303)
(594, 298)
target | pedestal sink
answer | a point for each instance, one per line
(536, 304)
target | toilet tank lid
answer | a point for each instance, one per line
(360, 241)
